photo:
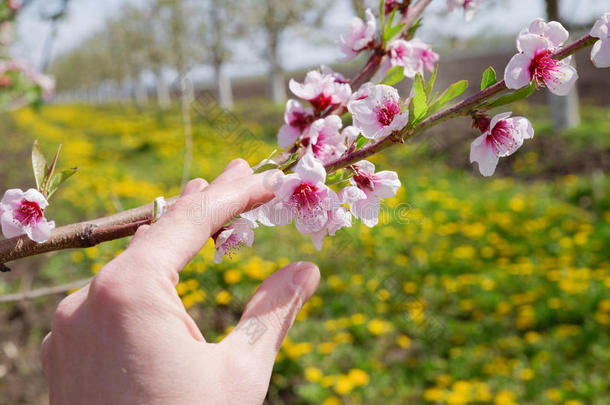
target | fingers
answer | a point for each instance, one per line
(180, 233)
(271, 312)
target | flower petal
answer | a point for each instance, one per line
(516, 74)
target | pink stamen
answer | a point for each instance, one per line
(387, 111)
(363, 180)
(543, 68)
(321, 102)
(300, 121)
(305, 197)
(29, 213)
(500, 138)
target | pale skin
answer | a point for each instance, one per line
(126, 338)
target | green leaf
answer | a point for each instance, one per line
(291, 160)
(413, 29)
(419, 98)
(489, 78)
(430, 84)
(391, 33)
(382, 14)
(265, 167)
(520, 94)
(361, 141)
(339, 176)
(49, 173)
(394, 75)
(446, 96)
(39, 163)
(58, 179)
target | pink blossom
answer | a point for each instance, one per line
(297, 121)
(324, 139)
(235, 235)
(322, 89)
(14, 4)
(414, 56)
(301, 196)
(6, 33)
(361, 35)
(337, 218)
(23, 213)
(46, 84)
(534, 61)
(600, 53)
(501, 137)
(377, 113)
(367, 190)
(469, 7)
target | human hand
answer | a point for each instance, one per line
(126, 338)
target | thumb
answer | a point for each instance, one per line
(271, 311)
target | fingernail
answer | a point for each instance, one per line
(194, 186)
(303, 273)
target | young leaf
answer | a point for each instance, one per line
(58, 179)
(413, 29)
(47, 177)
(419, 98)
(391, 32)
(520, 94)
(489, 78)
(361, 141)
(394, 75)
(430, 84)
(290, 160)
(382, 15)
(446, 96)
(39, 163)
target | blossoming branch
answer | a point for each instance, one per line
(329, 183)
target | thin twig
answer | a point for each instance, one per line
(90, 233)
(41, 292)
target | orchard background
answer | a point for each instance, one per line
(471, 290)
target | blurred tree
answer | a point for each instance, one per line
(273, 17)
(564, 110)
(217, 28)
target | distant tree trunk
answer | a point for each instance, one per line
(359, 8)
(140, 93)
(163, 97)
(224, 91)
(276, 74)
(564, 110)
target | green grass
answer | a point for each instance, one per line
(472, 290)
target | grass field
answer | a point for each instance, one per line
(471, 290)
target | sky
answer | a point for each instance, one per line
(508, 17)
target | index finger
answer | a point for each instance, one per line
(175, 239)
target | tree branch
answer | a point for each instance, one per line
(90, 233)
(41, 292)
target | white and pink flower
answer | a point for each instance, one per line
(297, 121)
(324, 139)
(367, 190)
(414, 56)
(361, 36)
(534, 61)
(302, 196)
(322, 89)
(600, 53)
(501, 137)
(469, 7)
(337, 218)
(23, 213)
(377, 112)
(232, 237)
